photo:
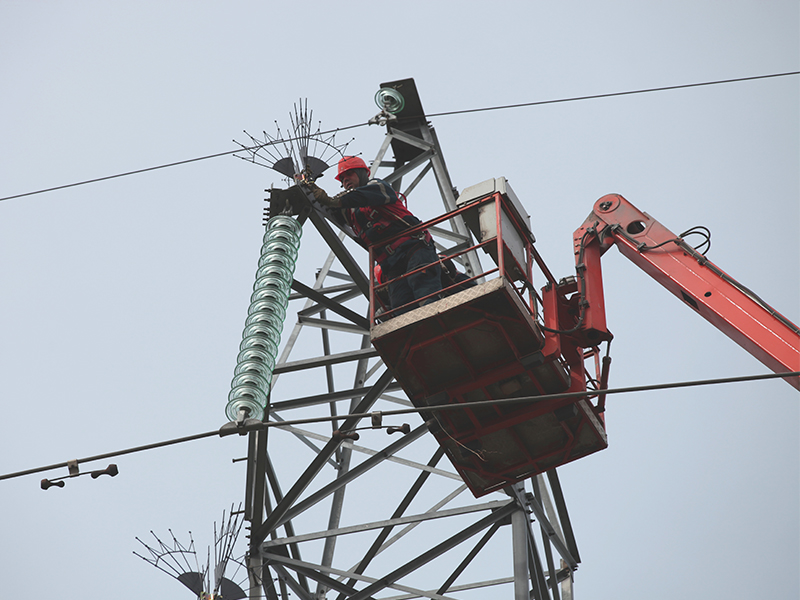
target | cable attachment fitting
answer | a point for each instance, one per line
(405, 429)
(346, 435)
(382, 118)
(242, 425)
(377, 423)
(74, 471)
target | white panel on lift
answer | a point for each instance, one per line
(490, 186)
(483, 221)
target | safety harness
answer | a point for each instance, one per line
(375, 223)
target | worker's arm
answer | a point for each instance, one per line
(375, 193)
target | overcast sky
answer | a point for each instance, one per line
(122, 302)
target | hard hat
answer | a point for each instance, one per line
(348, 163)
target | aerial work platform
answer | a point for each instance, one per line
(483, 344)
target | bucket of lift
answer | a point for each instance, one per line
(483, 342)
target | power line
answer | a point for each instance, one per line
(172, 164)
(613, 94)
(406, 411)
(440, 114)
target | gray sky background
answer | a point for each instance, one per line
(122, 302)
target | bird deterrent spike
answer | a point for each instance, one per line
(306, 141)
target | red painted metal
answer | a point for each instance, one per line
(486, 342)
(712, 293)
(489, 341)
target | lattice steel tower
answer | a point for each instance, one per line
(334, 514)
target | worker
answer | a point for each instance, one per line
(375, 213)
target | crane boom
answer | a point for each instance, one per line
(717, 297)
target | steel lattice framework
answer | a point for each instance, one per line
(377, 516)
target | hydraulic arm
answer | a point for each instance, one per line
(712, 293)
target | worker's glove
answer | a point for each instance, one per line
(322, 197)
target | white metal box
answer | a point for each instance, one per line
(483, 222)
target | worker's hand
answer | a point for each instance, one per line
(322, 197)
(319, 194)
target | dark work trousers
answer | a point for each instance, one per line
(411, 255)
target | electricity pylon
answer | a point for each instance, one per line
(334, 513)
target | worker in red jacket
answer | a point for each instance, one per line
(375, 213)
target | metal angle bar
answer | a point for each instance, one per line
(361, 368)
(272, 521)
(374, 370)
(399, 172)
(292, 339)
(337, 274)
(387, 580)
(266, 584)
(563, 515)
(396, 400)
(259, 487)
(525, 551)
(296, 587)
(547, 528)
(325, 398)
(401, 508)
(412, 464)
(447, 191)
(323, 361)
(547, 502)
(537, 573)
(334, 325)
(426, 169)
(459, 588)
(548, 553)
(379, 157)
(277, 558)
(329, 380)
(334, 289)
(458, 248)
(566, 585)
(329, 303)
(371, 452)
(452, 512)
(338, 248)
(411, 140)
(250, 476)
(303, 437)
(468, 559)
(294, 549)
(356, 472)
(548, 556)
(319, 461)
(323, 580)
(408, 528)
(442, 175)
(284, 590)
(453, 236)
(522, 565)
(344, 456)
(353, 292)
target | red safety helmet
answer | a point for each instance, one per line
(348, 163)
